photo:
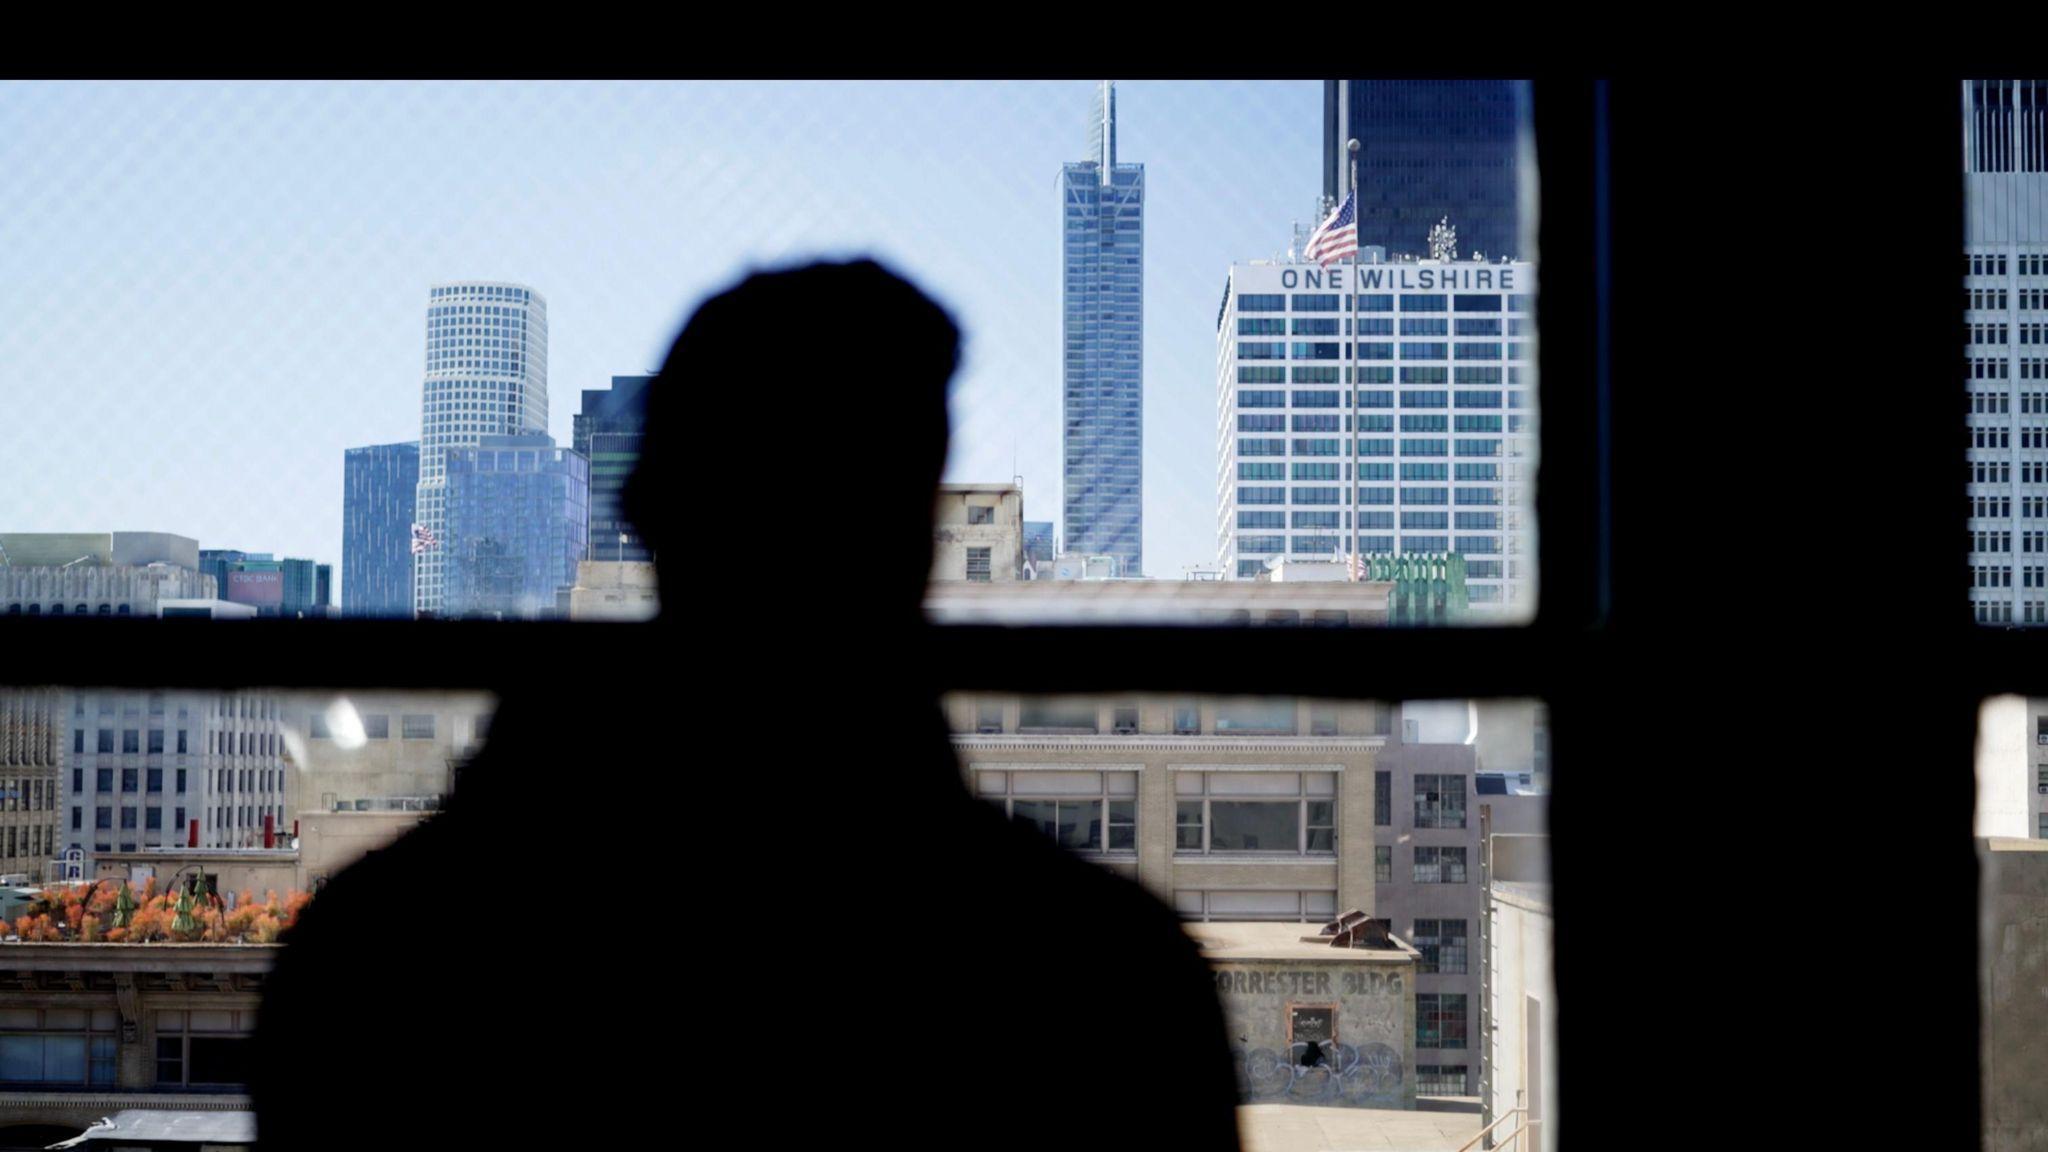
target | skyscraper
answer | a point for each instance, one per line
(1429, 149)
(607, 434)
(1417, 441)
(1103, 328)
(380, 490)
(518, 522)
(2005, 253)
(487, 375)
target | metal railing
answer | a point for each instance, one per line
(1532, 1125)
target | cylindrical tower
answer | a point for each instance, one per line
(487, 375)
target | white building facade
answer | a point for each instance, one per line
(143, 769)
(1387, 408)
(486, 375)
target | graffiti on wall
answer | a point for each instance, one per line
(1333, 1073)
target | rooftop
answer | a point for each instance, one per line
(138, 1125)
(1143, 601)
(1264, 940)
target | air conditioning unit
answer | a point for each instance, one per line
(989, 730)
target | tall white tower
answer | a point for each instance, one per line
(487, 375)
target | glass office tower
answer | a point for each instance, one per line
(607, 433)
(1429, 149)
(379, 492)
(518, 524)
(1103, 330)
(487, 375)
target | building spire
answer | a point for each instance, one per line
(1102, 128)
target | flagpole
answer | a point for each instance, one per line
(1357, 561)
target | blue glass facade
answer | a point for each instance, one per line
(380, 489)
(1429, 149)
(1103, 329)
(518, 524)
(607, 433)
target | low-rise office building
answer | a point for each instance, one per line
(1311, 1022)
(91, 1030)
(1280, 809)
(978, 533)
(1228, 809)
(370, 747)
(98, 573)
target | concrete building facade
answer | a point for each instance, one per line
(2012, 768)
(1381, 802)
(369, 747)
(978, 533)
(98, 573)
(93, 1029)
(1311, 1023)
(615, 590)
(1227, 809)
(152, 769)
(31, 782)
(1518, 1034)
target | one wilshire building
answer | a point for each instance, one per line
(2005, 266)
(1429, 149)
(487, 375)
(1103, 330)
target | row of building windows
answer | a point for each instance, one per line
(1381, 302)
(34, 840)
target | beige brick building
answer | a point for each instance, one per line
(31, 789)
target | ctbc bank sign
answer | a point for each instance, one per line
(262, 589)
(1409, 278)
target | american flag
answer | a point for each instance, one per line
(423, 538)
(1336, 237)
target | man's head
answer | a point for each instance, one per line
(799, 424)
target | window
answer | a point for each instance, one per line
(376, 726)
(417, 725)
(1440, 1020)
(1439, 865)
(1383, 863)
(1382, 799)
(1439, 801)
(1301, 906)
(203, 1048)
(1081, 811)
(978, 564)
(980, 514)
(57, 1046)
(1442, 944)
(1266, 813)
(1440, 1080)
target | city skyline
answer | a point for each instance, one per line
(272, 320)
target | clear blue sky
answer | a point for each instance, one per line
(213, 288)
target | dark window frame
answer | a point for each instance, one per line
(1634, 609)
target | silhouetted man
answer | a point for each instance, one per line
(727, 883)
